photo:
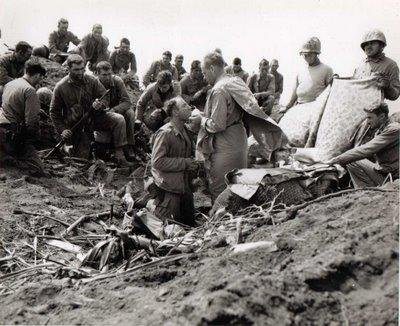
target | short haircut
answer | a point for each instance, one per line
(196, 64)
(179, 56)
(218, 50)
(33, 67)
(168, 54)
(23, 46)
(214, 59)
(170, 105)
(62, 21)
(103, 65)
(273, 61)
(263, 62)
(96, 26)
(237, 61)
(382, 108)
(125, 40)
(164, 77)
(74, 59)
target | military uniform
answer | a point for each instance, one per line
(71, 100)
(156, 67)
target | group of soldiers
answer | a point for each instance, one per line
(202, 117)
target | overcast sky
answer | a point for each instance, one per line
(251, 29)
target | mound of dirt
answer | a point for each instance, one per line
(54, 72)
(336, 264)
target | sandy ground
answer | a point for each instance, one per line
(337, 264)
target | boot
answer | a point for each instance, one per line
(120, 157)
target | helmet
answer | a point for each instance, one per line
(373, 35)
(44, 95)
(311, 45)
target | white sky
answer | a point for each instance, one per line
(250, 29)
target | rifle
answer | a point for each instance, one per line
(74, 127)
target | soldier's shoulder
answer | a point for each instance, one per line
(392, 127)
(7, 57)
(391, 62)
(61, 82)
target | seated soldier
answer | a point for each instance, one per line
(157, 66)
(123, 59)
(19, 119)
(74, 96)
(59, 41)
(383, 147)
(150, 104)
(119, 100)
(194, 87)
(171, 163)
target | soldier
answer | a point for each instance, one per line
(150, 104)
(312, 80)
(383, 147)
(123, 59)
(179, 66)
(194, 87)
(377, 64)
(171, 164)
(236, 70)
(262, 85)
(119, 101)
(273, 70)
(19, 118)
(73, 96)
(93, 47)
(158, 66)
(59, 41)
(12, 64)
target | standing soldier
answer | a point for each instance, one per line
(158, 66)
(377, 64)
(123, 59)
(262, 85)
(93, 47)
(313, 78)
(179, 66)
(273, 70)
(73, 96)
(59, 41)
(19, 118)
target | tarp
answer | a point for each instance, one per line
(300, 121)
(344, 112)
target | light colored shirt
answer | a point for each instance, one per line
(21, 104)
(311, 82)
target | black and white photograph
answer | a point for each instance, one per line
(215, 162)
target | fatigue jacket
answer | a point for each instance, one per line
(157, 66)
(385, 66)
(384, 147)
(152, 96)
(71, 99)
(278, 83)
(10, 68)
(59, 42)
(170, 158)
(258, 84)
(120, 60)
(21, 104)
(94, 50)
(118, 98)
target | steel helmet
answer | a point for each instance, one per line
(45, 94)
(311, 45)
(373, 35)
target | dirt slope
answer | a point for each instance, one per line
(337, 264)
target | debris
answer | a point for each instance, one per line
(267, 246)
